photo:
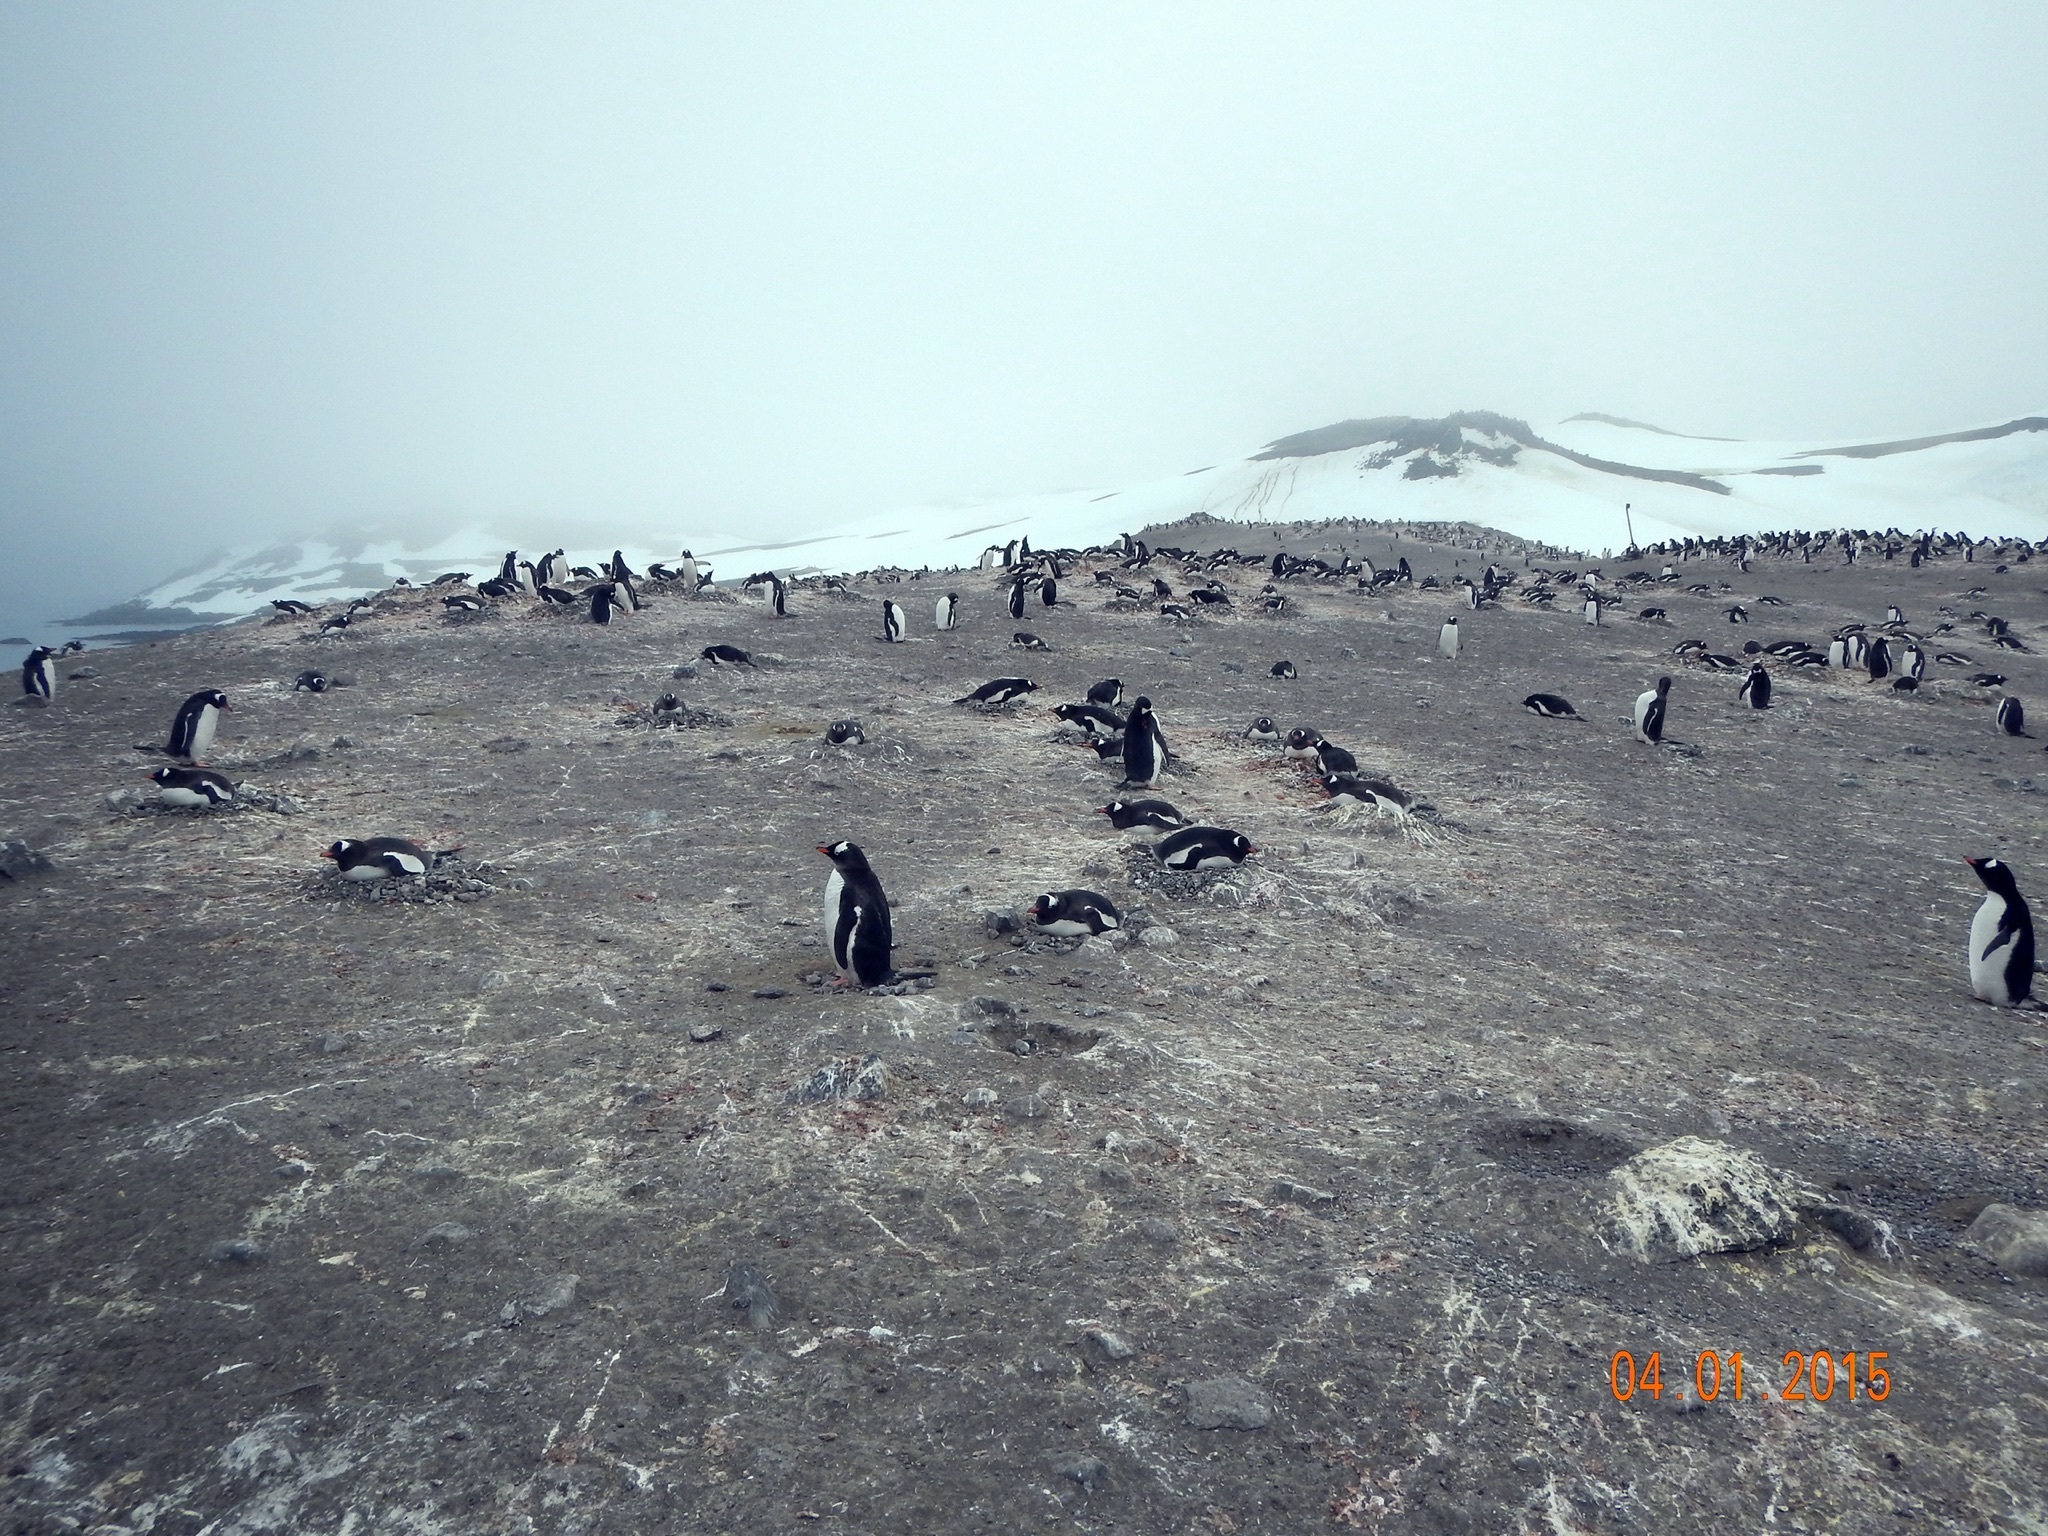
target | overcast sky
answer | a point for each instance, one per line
(270, 269)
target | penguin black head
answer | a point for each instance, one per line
(1141, 705)
(1663, 686)
(1996, 875)
(332, 850)
(214, 697)
(846, 856)
(1262, 729)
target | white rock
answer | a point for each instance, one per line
(1691, 1196)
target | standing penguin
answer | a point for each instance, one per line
(686, 573)
(1016, 600)
(1756, 688)
(1108, 693)
(892, 624)
(1447, 640)
(193, 727)
(2001, 938)
(1650, 712)
(1879, 660)
(39, 674)
(1145, 750)
(603, 598)
(857, 919)
(2012, 717)
(778, 598)
(1049, 592)
(948, 610)
(1593, 611)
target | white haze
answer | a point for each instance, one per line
(279, 270)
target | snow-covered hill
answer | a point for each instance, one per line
(1565, 487)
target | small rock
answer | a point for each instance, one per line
(335, 1041)
(994, 1007)
(441, 1173)
(83, 674)
(1227, 1402)
(1105, 1345)
(704, 1034)
(1157, 1229)
(1026, 1107)
(557, 1293)
(1024, 1045)
(1158, 936)
(1290, 1192)
(717, 986)
(980, 1098)
(1692, 1196)
(1853, 1227)
(2012, 1237)
(864, 1079)
(769, 994)
(236, 1251)
(1116, 1175)
(344, 743)
(448, 1234)
(18, 861)
(747, 1290)
(998, 921)
(1088, 1471)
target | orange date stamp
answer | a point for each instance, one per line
(1818, 1376)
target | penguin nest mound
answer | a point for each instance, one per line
(142, 803)
(683, 719)
(1146, 873)
(451, 880)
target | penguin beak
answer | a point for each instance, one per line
(326, 853)
(824, 850)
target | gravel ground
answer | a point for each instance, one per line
(558, 1193)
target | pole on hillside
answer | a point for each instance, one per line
(1631, 522)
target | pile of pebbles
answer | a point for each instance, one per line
(1144, 872)
(668, 713)
(450, 880)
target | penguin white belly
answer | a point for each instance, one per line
(840, 946)
(202, 731)
(373, 870)
(1987, 972)
(188, 799)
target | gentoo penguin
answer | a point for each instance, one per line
(1332, 758)
(1895, 614)
(1301, 741)
(1447, 640)
(948, 611)
(857, 919)
(380, 858)
(1016, 599)
(686, 573)
(725, 656)
(1000, 691)
(311, 681)
(1145, 750)
(844, 733)
(1262, 729)
(1650, 709)
(1108, 693)
(1592, 611)
(1838, 652)
(1126, 814)
(1912, 662)
(1068, 914)
(1383, 795)
(462, 602)
(603, 598)
(1024, 640)
(291, 606)
(1879, 660)
(1284, 670)
(1049, 592)
(1756, 688)
(1194, 848)
(2001, 938)
(892, 621)
(193, 788)
(778, 597)
(39, 674)
(2012, 716)
(193, 727)
(1092, 718)
(1550, 706)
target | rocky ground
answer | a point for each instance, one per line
(559, 1195)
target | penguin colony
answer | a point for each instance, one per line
(857, 919)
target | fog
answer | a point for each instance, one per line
(277, 270)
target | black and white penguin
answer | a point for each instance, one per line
(844, 733)
(1126, 814)
(857, 918)
(1016, 598)
(2012, 716)
(778, 597)
(1069, 914)
(1262, 729)
(1284, 670)
(1447, 640)
(310, 680)
(1550, 706)
(193, 788)
(1383, 796)
(39, 674)
(1756, 688)
(1592, 611)
(1108, 693)
(1878, 659)
(892, 621)
(604, 597)
(1912, 662)
(1301, 742)
(1332, 758)
(1194, 848)
(1049, 592)
(508, 568)
(947, 612)
(725, 656)
(380, 858)
(462, 602)
(1145, 750)
(1000, 691)
(2001, 938)
(1092, 718)
(291, 606)
(193, 727)
(1650, 710)
(1024, 640)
